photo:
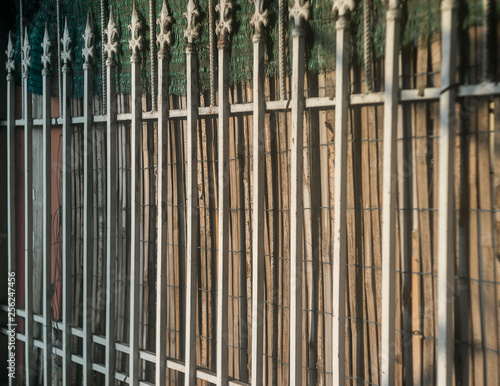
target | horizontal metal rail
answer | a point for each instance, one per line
(376, 98)
(145, 355)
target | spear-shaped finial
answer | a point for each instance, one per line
(260, 17)
(343, 6)
(10, 64)
(66, 55)
(164, 38)
(299, 13)
(111, 46)
(88, 42)
(135, 42)
(225, 23)
(46, 50)
(25, 54)
(191, 32)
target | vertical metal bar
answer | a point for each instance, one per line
(446, 218)
(11, 157)
(88, 174)
(59, 73)
(152, 51)
(389, 191)
(224, 28)
(281, 48)
(164, 40)
(67, 256)
(11, 174)
(135, 44)
(46, 214)
(190, 35)
(111, 192)
(211, 43)
(28, 211)
(368, 44)
(488, 24)
(21, 40)
(343, 7)
(299, 14)
(259, 21)
(103, 51)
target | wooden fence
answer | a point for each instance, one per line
(342, 236)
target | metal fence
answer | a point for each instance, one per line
(389, 268)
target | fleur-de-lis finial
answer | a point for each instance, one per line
(164, 38)
(10, 64)
(393, 9)
(46, 50)
(192, 30)
(66, 42)
(26, 57)
(111, 45)
(225, 23)
(299, 13)
(88, 41)
(135, 42)
(260, 17)
(343, 6)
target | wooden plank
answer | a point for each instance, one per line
(340, 192)
(446, 216)
(282, 251)
(486, 253)
(259, 21)
(180, 233)
(271, 309)
(299, 13)
(325, 238)
(190, 34)
(496, 203)
(405, 218)
(372, 244)
(203, 343)
(47, 215)
(476, 317)
(165, 23)
(464, 362)
(122, 248)
(425, 323)
(167, 185)
(136, 128)
(389, 176)
(478, 373)
(145, 212)
(245, 151)
(177, 258)
(234, 316)
(88, 203)
(354, 280)
(311, 199)
(111, 198)
(223, 199)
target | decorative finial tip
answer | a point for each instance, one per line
(66, 42)
(342, 7)
(88, 38)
